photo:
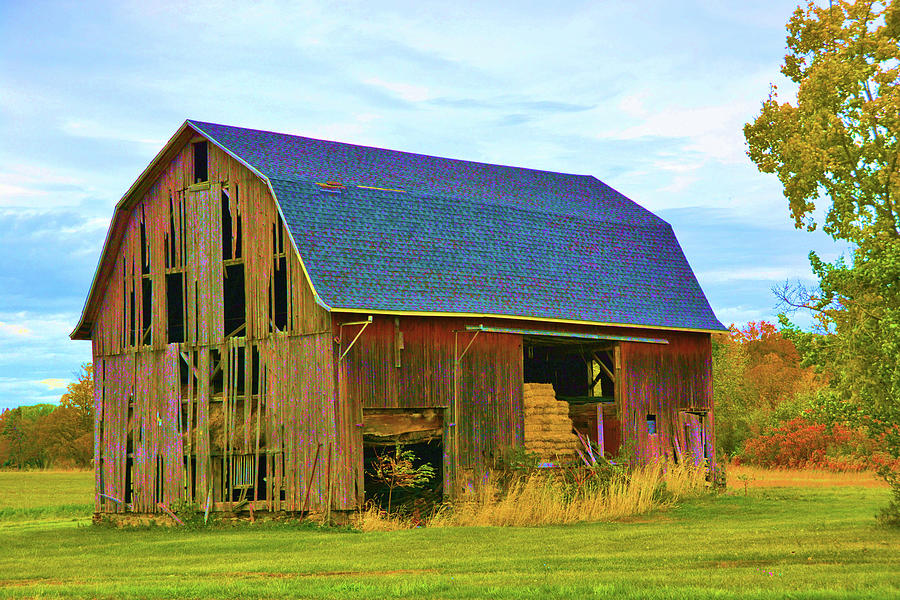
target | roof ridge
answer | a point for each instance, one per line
(383, 149)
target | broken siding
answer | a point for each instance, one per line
(261, 397)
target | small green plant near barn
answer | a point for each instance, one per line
(398, 471)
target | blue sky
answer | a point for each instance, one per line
(650, 97)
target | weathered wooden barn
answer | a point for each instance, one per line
(269, 307)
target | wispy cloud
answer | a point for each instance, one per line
(762, 274)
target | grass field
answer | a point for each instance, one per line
(785, 540)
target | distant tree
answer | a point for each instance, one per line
(79, 396)
(43, 435)
(20, 443)
(68, 432)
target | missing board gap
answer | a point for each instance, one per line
(175, 307)
(147, 308)
(234, 306)
(231, 227)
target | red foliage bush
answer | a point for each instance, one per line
(800, 443)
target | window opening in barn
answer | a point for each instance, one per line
(175, 307)
(416, 430)
(231, 226)
(201, 162)
(651, 424)
(234, 305)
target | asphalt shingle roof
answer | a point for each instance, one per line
(467, 237)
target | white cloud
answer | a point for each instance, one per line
(13, 330)
(405, 91)
(102, 131)
(766, 273)
(54, 384)
(679, 183)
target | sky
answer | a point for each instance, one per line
(650, 97)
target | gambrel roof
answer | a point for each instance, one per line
(410, 233)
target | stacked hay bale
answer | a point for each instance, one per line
(548, 428)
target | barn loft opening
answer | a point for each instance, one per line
(201, 162)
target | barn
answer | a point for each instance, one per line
(269, 310)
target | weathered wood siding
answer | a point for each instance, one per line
(490, 381)
(175, 418)
(663, 380)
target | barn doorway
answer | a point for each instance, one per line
(583, 374)
(389, 431)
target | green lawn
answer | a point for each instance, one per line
(41, 494)
(774, 543)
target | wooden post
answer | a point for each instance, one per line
(328, 503)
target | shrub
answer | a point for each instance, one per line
(800, 443)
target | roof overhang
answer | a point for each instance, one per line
(425, 313)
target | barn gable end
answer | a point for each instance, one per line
(207, 342)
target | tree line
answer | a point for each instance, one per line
(47, 435)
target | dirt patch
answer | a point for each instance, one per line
(756, 477)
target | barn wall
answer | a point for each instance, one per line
(664, 380)
(174, 418)
(490, 380)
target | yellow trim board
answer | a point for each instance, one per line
(411, 313)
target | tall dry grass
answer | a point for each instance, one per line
(756, 477)
(548, 499)
(373, 518)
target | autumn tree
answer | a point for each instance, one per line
(758, 382)
(837, 143)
